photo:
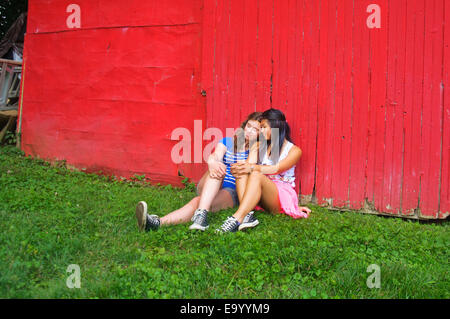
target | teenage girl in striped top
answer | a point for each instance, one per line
(268, 177)
(217, 187)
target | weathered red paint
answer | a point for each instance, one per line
(354, 96)
(370, 108)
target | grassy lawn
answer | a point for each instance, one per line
(51, 217)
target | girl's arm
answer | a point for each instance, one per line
(291, 159)
(216, 167)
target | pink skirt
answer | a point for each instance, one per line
(288, 200)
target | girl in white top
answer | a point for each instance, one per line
(267, 178)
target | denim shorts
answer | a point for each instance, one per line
(232, 192)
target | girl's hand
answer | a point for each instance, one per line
(239, 169)
(217, 169)
(305, 210)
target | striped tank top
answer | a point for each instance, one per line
(230, 158)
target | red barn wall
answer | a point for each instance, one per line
(106, 97)
(369, 107)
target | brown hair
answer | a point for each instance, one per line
(255, 116)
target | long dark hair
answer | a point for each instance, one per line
(255, 116)
(277, 120)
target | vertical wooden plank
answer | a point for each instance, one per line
(264, 55)
(432, 113)
(347, 111)
(309, 132)
(276, 54)
(279, 74)
(234, 109)
(360, 108)
(291, 58)
(413, 105)
(216, 109)
(398, 138)
(290, 106)
(304, 66)
(299, 110)
(444, 207)
(340, 173)
(322, 111)
(245, 76)
(233, 81)
(284, 39)
(208, 29)
(251, 35)
(336, 146)
(326, 102)
(209, 49)
(393, 154)
(378, 70)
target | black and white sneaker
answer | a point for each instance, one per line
(230, 225)
(249, 221)
(146, 222)
(200, 220)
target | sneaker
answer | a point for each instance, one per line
(249, 221)
(230, 225)
(146, 222)
(200, 220)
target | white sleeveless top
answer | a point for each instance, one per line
(286, 176)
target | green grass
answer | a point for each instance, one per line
(51, 217)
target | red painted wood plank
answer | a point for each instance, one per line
(309, 135)
(339, 187)
(249, 35)
(393, 154)
(444, 207)
(307, 17)
(378, 69)
(347, 111)
(283, 76)
(215, 110)
(297, 95)
(237, 27)
(208, 30)
(289, 69)
(292, 76)
(291, 58)
(253, 18)
(399, 95)
(432, 113)
(360, 106)
(276, 56)
(264, 55)
(324, 155)
(336, 146)
(208, 55)
(413, 106)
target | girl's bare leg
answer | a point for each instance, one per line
(182, 215)
(210, 189)
(259, 190)
(223, 200)
(241, 185)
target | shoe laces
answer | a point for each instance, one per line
(200, 216)
(229, 224)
